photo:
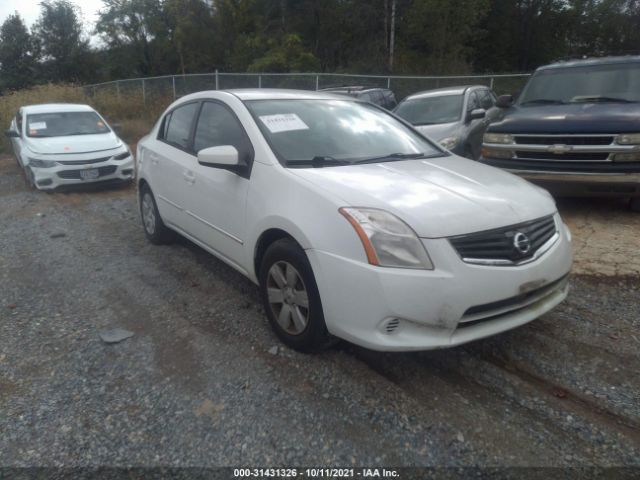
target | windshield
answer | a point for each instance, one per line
(601, 83)
(431, 110)
(60, 124)
(338, 131)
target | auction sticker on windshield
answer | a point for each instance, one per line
(283, 122)
(38, 126)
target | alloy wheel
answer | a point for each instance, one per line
(288, 297)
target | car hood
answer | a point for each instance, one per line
(74, 143)
(439, 131)
(572, 118)
(438, 197)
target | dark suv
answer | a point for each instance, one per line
(380, 96)
(574, 129)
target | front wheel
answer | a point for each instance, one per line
(154, 228)
(291, 298)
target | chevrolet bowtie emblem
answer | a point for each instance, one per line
(559, 149)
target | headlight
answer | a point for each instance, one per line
(628, 139)
(387, 240)
(122, 156)
(36, 162)
(495, 153)
(497, 138)
(449, 142)
(627, 157)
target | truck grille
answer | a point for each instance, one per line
(501, 247)
(564, 140)
(75, 174)
(571, 156)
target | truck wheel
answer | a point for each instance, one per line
(635, 204)
(291, 298)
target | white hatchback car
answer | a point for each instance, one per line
(353, 224)
(64, 144)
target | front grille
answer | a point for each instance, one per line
(570, 156)
(501, 244)
(494, 310)
(83, 162)
(568, 140)
(75, 174)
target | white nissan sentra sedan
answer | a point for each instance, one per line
(352, 223)
(64, 144)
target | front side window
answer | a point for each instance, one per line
(336, 130)
(486, 100)
(62, 124)
(593, 83)
(217, 126)
(178, 130)
(431, 110)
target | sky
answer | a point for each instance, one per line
(29, 10)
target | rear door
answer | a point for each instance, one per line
(170, 156)
(217, 197)
(16, 143)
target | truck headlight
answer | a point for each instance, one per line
(449, 142)
(497, 138)
(387, 240)
(38, 163)
(628, 139)
(627, 157)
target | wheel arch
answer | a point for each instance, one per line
(267, 238)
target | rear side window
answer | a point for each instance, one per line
(217, 126)
(177, 128)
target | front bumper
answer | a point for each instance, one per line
(65, 175)
(394, 309)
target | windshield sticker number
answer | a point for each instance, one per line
(283, 122)
(38, 126)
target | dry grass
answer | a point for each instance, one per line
(134, 116)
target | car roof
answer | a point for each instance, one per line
(351, 89)
(56, 107)
(266, 94)
(585, 62)
(439, 92)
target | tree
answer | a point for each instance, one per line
(18, 55)
(65, 50)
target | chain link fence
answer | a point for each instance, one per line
(176, 86)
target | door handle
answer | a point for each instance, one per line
(189, 177)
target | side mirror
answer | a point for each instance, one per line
(504, 101)
(225, 156)
(117, 128)
(477, 113)
(11, 134)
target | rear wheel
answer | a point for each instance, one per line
(635, 204)
(291, 298)
(154, 228)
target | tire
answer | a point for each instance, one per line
(31, 182)
(635, 204)
(154, 228)
(291, 298)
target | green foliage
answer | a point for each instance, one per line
(65, 52)
(286, 55)
(18, 52)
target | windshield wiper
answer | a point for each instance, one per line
(391, 157)
(600, 98)
(318, 161)
(543, 100)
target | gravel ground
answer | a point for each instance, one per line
(204, 382)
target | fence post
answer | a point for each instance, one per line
(317, 82)
(118, 89)
(217, 85)
(173, 82)
(491, 84)
(389, 83)
(259, 81)
(144, 93)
